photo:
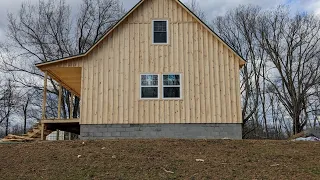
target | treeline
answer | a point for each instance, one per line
(280, 83)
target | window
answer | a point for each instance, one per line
(172, 86)
(149, 86)
(160, 32)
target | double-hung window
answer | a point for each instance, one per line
(160, 31)
(149, 86)
(171, 86)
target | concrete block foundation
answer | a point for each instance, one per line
(153, 131)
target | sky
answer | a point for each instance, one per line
(212, 8)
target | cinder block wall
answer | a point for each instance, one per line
(146, 131)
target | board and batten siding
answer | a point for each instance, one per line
(111, 72)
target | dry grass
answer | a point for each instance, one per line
(161, 159)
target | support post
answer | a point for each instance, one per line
(59, 110)
(44, 102)
(71, 106)
(42, 131)
(58, 135)
(59, 101)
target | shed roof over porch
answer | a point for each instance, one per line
(68, 77)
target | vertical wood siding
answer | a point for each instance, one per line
(111, 72)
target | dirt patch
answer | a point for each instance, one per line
(160, 159)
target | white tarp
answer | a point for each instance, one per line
(311, 138)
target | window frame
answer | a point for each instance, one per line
(167, 22)
(165, 86)
(159, 80)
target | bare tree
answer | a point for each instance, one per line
(7, 104)
(314, 108)
(293, 48)
(25, 114)
(194, 6)
(26, 105)
(283, 65)
(95, 17)
(44, 31)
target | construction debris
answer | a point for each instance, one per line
(199, 160)
(171, 172)
(14, 138)
(312, 138)
(33, 135)
(312, 134)
(275, 165)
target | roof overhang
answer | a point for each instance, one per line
(68, 77)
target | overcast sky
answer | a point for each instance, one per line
(212, 8)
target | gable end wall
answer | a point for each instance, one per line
(111, 72)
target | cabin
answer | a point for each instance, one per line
(159, 72)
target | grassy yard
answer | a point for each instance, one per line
(160, 159)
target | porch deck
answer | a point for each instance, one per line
(60, 121)
(68, 125)
(70, 79)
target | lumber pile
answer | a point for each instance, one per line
(32, 135)
(15, 138)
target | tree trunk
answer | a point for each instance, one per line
(25, 121)
(7, 125)
(296, 125)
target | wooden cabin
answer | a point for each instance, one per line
(159, 72)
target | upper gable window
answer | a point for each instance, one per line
(160, 31)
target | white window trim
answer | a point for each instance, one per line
(153, 32)
(159, 80)
(163, 86)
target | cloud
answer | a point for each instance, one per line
(12, 6)
(128, 4)
(311, 6)
(220, 7)
(212, 8)
(5, 8)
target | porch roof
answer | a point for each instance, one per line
(68, 77)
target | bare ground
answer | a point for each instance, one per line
(160, 159)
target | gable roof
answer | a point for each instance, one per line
(124, 17)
